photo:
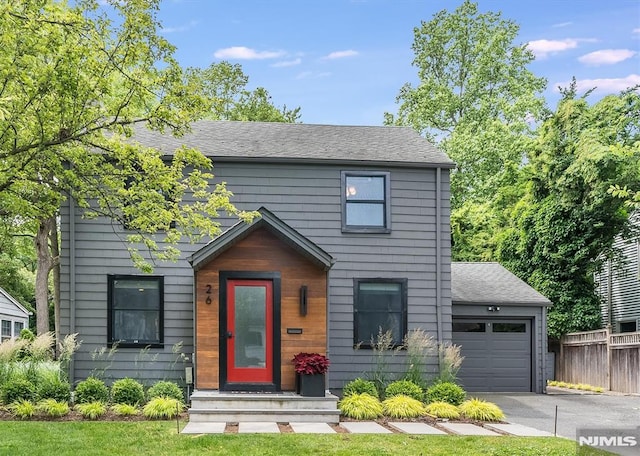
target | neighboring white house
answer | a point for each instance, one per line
(13, 316)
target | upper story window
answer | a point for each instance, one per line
(366, 202)
(135, 310)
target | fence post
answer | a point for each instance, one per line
(608, 342)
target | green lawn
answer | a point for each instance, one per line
(161, 438)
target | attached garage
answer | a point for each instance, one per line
(500, 323)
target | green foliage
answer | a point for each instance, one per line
(161, 408)
(166, 389)
(441, 409)
(361, 407)
(53, 408)
(359, 386)
(125, 410)
(54, 388)
(382, 347)
(92, 410)
(478, 409)
(91, 390)
(127, 391)
(419, 347)
(23, 409)
(27, 334)
(404, 387)
(17, 389)
(445, 392)
(401, 406)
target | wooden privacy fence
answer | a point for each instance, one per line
(600, 358)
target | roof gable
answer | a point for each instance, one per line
(272, 223)
(274, 141)
(13, 301)
(491, 283)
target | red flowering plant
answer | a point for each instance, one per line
(310, 363)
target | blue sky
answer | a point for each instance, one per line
(344, 61)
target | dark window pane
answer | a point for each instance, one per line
(365, 188)
(136, 294)
(469, 327)
(379, 307)
(380, 297)
(135, 310)
(365, 214)
(509, 327)
(136, 326)
(370, 324)
(628, 326)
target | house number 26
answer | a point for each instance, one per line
(208, 293)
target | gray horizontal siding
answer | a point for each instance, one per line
(307, 199)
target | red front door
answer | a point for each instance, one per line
(249, 331)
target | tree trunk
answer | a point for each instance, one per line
(44, 264)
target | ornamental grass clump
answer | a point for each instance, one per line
(445, 392)
(125, 410)
(92, 410)
(444, 410)
(162, 408)
(404, 387)
(23, 410)
(53, 408)
(481, 410)
(359, 386)
(361, 407)
(401, 406)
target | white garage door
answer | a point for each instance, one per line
(497, 354)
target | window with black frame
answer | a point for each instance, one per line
(380, 305)
(366, 204)
(135, 310)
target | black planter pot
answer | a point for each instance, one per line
(310, 385)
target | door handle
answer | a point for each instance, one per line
(229, 334)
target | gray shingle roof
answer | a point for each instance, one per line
(491, 283)
(269, 141)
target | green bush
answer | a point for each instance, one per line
(478, 409)
(401, 406)
(160, 408)
(359, 386)
(92, 410)
(125, 410)
(404, 387)
(22, 409)
(17, 389)
(54, 388)
(446, 392)
(166, 389)
(360, 406)
(127, 391)
(441, 409)
(53, 408)
(91, 390)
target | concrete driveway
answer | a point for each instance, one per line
(575, 411)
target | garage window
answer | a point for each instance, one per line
(380, 305)
(509, 327)
(469, 327)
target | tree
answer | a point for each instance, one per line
(224, 86)
(74, 80)
(565, 223)
(478, 101)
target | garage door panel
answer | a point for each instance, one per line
(497, 354)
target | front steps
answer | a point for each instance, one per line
(217, 407)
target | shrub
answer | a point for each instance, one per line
(441, 409)
(404, 387)
(162, 408)
(359, 386)
(22, 409)
(127, 391)
(92, 410)
(446, 392)
(125, 410)
(166, 389)
(401, 406)
(51, 407)
(91, 390)
(478, 409)
(17, 389)
(361, 407)
(55, 388)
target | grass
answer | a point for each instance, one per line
(161, 438)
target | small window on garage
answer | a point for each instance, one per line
(469, 327)
(509, 327)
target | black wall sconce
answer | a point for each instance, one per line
(303, 300)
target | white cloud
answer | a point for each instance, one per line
(245, 53)
(180, 28)
(312, 75)
(542, 48)
(607, 56)
(341, 54)
(287, 63)
(636, 31)
(562, 24)
(604, 85)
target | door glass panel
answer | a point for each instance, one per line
(469, 327)
(250, 325)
